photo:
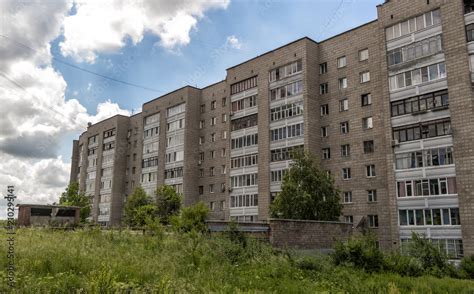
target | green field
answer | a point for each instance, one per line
(94, 261)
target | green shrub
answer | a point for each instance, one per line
(360, 252)
(467, 267)
(432, 259)
(191, 218)
(404, 265)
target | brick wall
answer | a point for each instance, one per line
(301, 234)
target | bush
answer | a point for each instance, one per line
(404, 265)
(466, 268)
(359, 252)
(432, 259)
(191, 218)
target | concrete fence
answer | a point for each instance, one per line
(295, 234)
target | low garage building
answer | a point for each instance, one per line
(48, 215)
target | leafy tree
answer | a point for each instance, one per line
(73, 197)
(191, 218)
(307, 192)
(168, 203)
(138, 208)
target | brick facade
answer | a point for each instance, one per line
(298, 65)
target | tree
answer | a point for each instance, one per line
(138, 208)
(191, 218)
(168, 203)
(73, 197)
(307, 192)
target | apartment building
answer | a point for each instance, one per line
(387, 107)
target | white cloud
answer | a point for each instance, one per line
(233, 42)
(35, 113)
(106, 26)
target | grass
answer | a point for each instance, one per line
(94, 261)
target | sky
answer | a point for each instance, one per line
(55, 55)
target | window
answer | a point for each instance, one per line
(203, 108)
(342, 83)
(244, 103)
(243, 85)
(277, 175)
(372, 195)
(174, 110)
(172, 173)
(108, 146)
(324, 131)
(286, 153)
(224, 102)
(424, 158)
(470, 32)
(151, 132)
(427, 187)
(201, 140)
(414, 24)
(368, 146)
(285, 71)
(420, 104)
(244, 122)
(323, 68)
(429, 217)
(244, 141)
(211, 190)
(291, 131)
(366, 99)
(224, 135)
(150, 162)
(201, 190)
(344, 127)
(363, 54)
(223, 187)
(213, 104)
(344, 104)
(367, 123)
(213, 121)
(174, 140)
(109, 133)
(175, 125)
(420, 49)
(347, 196)
(373, 221)
(468, 6)
(152, 119)
(364, 77)
(174, 156)
(289, 90)
(245, 180)
(323, 89)
(246, 200)
(201, 172)
(423, 130)
(324, 109)
(212, 204)
(212, 153)
(345, 150)
(211, 171)
(417, 76)
(201, 124)
(348, 219)
(224, 118)
(223, 152)
(370, 170)
(341, 62)
(286, 111)
(346, 173)
(213, 137)
(244, 161)
(223, 169)
(326, 153)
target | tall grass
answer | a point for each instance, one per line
(94, 261)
